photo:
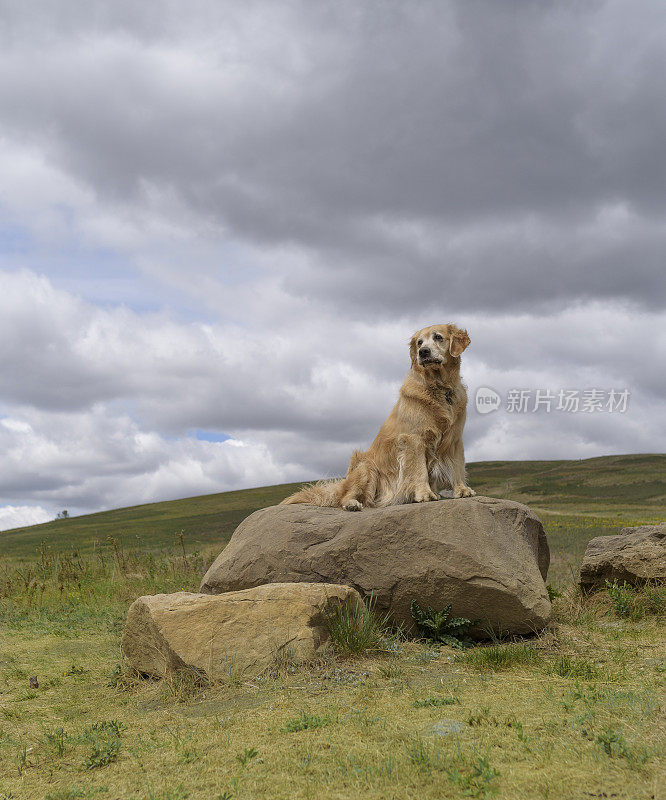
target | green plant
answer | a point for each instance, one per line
(22, 759)
(56, 742)
(581, 669)
(390, 670)
(475, 778)
(189, 755)
(622, 596)
(553, 593)
(75, 670)
(613, 743)
(440, 626)
(304, 722)
(436, 702)
(635, 603)
(356, 628)
(249, 754)
(422, 756)
(104, 738)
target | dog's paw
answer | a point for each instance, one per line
(463, 491)
(352, 505)
(425, 495)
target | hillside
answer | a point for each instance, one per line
(629, 488)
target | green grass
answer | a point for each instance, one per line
(305, 722)
(209, 519)
(501, 656)
(579, 709)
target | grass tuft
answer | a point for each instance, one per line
(356, 628)
(305, 722)
(104, 738)
(436, 702)
(501, 656)
(636, 603)
(577, 668)
(614, 744)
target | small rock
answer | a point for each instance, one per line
(635, 555)
(231, 635)
(444, 727)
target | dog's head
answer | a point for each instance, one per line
(437, 345)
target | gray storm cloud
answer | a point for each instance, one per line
(232, 217)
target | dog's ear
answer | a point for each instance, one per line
(413, 349)
(458, 341)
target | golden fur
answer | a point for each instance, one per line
(419, 449)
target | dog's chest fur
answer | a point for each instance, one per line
(452, 404)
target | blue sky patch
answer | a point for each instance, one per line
(209, 436)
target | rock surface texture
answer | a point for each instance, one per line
(232, 635)
(487, 557)
(635, 555)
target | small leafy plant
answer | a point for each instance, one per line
(436, 702)
(553, 593)
(441, 627)
(304, 722)
(104, 738)
(248, 755)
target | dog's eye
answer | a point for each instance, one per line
(419, 343)
(437, 337)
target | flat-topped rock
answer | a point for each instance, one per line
(635, 555)
(231, 635)
(487, 557)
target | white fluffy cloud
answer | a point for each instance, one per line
(100, 404)
(16, 516)
(231, 220)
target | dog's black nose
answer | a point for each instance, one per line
(424, 352)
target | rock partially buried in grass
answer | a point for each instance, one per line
(635, 555)
(232, 635)
(487, 557)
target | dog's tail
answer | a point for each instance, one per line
(322, 493)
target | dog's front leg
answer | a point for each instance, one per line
(413, 482)
(456, 461)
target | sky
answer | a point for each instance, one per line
(221, 222)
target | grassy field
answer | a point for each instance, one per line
(578, 712)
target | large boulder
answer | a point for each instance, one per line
(487, 557)
(230, 635)
(635, 555)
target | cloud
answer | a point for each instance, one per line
(479, 145)
(109, 410)
(18, 516)
(232, 220)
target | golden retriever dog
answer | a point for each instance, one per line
(419, 449)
